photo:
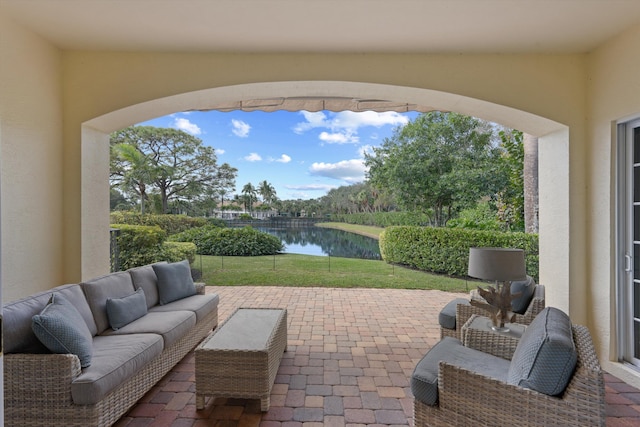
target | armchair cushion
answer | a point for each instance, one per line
(526, 287)
(546, 356)
(447, 316)
(424, 380)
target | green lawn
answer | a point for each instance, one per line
(365, 230)
(308, 270)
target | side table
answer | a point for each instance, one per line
(477, 333)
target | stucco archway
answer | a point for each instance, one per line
(553, 146)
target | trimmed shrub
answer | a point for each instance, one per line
(218, 241)
(446, 250)
(172, 224)
(141, 245)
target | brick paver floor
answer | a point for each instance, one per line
(350, 354)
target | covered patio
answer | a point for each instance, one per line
(350, 355)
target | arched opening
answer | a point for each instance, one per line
(318, 95)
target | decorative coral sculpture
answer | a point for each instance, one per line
(498, 303)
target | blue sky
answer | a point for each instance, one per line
(302, 154)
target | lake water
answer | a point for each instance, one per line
(321, 241)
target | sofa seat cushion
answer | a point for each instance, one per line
(116, 358)
(17, 317)
(546, 356)
(424, 380)
(447, 316)
(201, 305)
(171, 325)
(114, 285)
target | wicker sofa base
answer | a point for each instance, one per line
(53, 406)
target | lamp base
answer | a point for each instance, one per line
(500, 328)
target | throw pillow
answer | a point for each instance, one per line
(122, 311)
(526, 289)
(61, 328)
(174, 281)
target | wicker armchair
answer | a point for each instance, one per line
(466, 398)
(464, 311)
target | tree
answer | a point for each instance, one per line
(180, 167)
(226, 181)
(249, 195)
(440, 162)
(510, 200)
(132, 170)
(267, 191)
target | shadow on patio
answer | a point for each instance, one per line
(350, 354)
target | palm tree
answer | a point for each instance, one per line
(136, 171)
(250, 195)
(267, 191)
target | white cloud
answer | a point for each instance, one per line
(351, 171)
(339, 138)
(313, 120)
(283, 159)
(220, 151)
(187, 126)
(253, 157)
(240, 128)
(311, 187)
(349, 120)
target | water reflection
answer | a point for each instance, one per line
(325, 241)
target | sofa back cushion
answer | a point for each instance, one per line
(17, 316)
(144, 277)
(114, 285)
(546, 356)
(174, 281)
(526, 289)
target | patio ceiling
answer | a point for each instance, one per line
(315, 26)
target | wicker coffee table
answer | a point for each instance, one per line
(241, 357)
(477, 333)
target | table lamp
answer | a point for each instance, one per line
(502, 265)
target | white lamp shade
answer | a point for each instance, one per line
(497, 264)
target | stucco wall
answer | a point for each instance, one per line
(31, 162)
(614, 95)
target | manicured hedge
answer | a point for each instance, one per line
(172, 224)
(446, 250)
(141, 245)
(383, 219)
(247, 241)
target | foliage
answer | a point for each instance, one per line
(384, 219)
(356, 198)
(175, 164)
(141, 245)
(171, 224)
(247, 241)
(267, 192)
(481, 217)
(510, 200)
(441, 162)
(177, 251)
(446, 250)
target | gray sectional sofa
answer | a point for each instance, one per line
(83, 354)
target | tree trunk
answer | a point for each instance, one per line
(530, 183)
